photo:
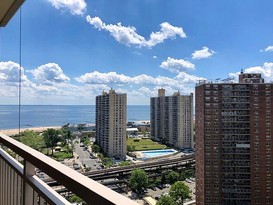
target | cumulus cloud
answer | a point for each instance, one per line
(181, 81)
(184, 78)
(49, 73)
(114, 78)
(76, 7)
(268, 48)
(140, 88)
(49, 85)
(177, 65)
(154, 57)
(266, 70)
(205, 52)
(9, 72)
(103, 78)
(127, 34)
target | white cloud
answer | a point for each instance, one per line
(51, 86)
(167, 31)
(103, 78)
(129, 36)
(177, 65)
(183, 82)
(205, 52)
(49, 73)
(117, 79)
(76, 7)
(184, 78)
(268, 48)
(154, 57)
(9, 72)
(266, 70)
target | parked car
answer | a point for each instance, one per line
(142, 190)
(160, 186)
(153, 188)
(157, 197)
(76, 166)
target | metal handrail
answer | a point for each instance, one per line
(89, 190)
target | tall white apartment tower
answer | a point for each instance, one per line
(111, 123)
(172, 119)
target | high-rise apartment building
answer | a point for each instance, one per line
(233, 142)
(111, 123)
(172, 119)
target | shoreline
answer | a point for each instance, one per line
(36, 129)
(43, 128)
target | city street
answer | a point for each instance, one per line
(84, 157)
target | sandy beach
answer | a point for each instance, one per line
(10, 132)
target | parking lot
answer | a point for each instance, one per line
(158, 192)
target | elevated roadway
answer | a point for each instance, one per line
(186, 162)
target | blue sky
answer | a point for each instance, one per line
(72, 50)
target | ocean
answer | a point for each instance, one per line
(58, 115)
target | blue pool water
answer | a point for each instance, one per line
(158, 153)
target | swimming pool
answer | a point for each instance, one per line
(158, 153)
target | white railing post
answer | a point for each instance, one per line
(29, 171)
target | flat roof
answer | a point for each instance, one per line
(7, 9)
(132, 129)
(150, 200)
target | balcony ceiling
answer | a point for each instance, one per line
(7, 9)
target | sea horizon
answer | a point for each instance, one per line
(58, 115)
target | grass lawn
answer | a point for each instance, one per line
(144, 144)
(60, 156)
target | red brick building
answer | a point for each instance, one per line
(233, 141)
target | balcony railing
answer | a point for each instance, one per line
(20, 186)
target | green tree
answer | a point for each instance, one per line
(32, 139)
(179, 192)
(100, 155)
(66, 134)
(107, 162)
(130, 148)
(125, 163)
(96, 148)
(85, 140)
(76, 199)
(189, 173)
(81, 127)
(182, 176)
(172, 177)
(51, 138)
(158, 180)
(138, 179)
(166, 200)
